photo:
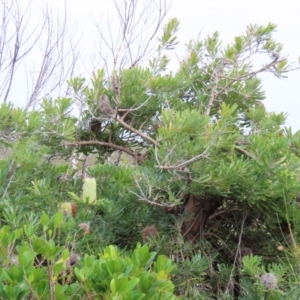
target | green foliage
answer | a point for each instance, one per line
(128, 277)
(189, 161)
(40, 268)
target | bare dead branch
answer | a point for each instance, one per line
(54, 69)
(138, 28)
(17, 43)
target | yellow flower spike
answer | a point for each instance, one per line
(89, 190)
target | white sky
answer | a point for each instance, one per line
(230, 18)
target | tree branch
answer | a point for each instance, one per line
(138, 132)
(105, 144)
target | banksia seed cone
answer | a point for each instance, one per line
(246, 251)
(149, 232)
(74, 209)
(269, 281)
(85, 227)
(73, 259)
(104, 106)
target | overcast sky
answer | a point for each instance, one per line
(230, 18)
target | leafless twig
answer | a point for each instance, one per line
(138, 26)
(21, 39)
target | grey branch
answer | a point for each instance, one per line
(115, 86)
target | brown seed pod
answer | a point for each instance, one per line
(246, 251)
(105, 106)
(74, 209)
(149, 232)
(86, 228)
(73, 259)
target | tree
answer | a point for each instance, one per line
(189, 159)
(206, 149)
